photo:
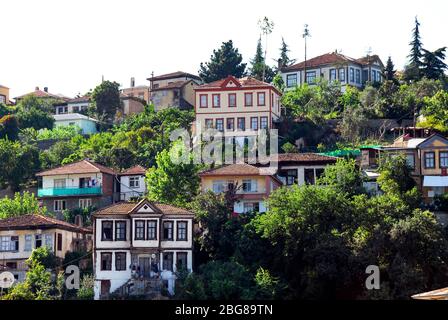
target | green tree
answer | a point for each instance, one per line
(344, 176)
(433, 65)
(259, 67)
(106, 100)
(9, 127)
(21, 204)
(284, 60)
(389, 71)
(223, 62)
(436, 111)
(412, 70)
(86, 291)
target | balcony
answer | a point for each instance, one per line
(68, 191)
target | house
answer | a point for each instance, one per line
(21, 234)
(174, 89)
(4, 95)
(252, 184)
(76, 105)
(131, 104)
(426, 157)
(233, 104)
(334, 66)
(140, 92)
(302, 168)
(43, 94)
(139, 244)
(132, 183)
(86, 124)
(80, 184)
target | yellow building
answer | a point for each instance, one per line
(4, 95)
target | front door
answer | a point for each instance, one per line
(145, 266)
(105, 287)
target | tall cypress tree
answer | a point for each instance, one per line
(284, 59)
(389, 71)
(258, 63)
(412, 70)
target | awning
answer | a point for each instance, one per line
(435, 181)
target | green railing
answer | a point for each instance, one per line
(58, 192)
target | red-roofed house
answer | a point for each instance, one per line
(334, 66)
(43, 94)
(80, 184)
(233, 104)
(20, 235)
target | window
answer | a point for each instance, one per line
(11, 265)
(182, 230)
(319, 172)
(230, 124)
(352, 75)
(249, 185)
(218, 186)
(342, 75)
(134, 182)
(37, 241)
(106, 261)
(48, 241)
(120, 261)
(75, 109)
(291, 176)
(261, 98)
(59, 183)
(28, 242)
(241, 124)
(139, 230)
(152, 230)
(232, 100)
(263, 122)
(208, 123)
(309, 176)
(373, 75)
(59, 243)
(311, 77)
(85, 203)
(2, 99)
(168, 230)
(220, 124)
(358, 76)
(181, 262)
(168, 261)
(203, 101)
(120, 230)
(443, 155)
(291, 80)
(59, 205)
(106, 232)
(251, 207)
(216, 100)
(248, 99)
(332, 74)
(429, 160)
(410, 161)
(254, 123)
(9, 243)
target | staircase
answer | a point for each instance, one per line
(146, 289)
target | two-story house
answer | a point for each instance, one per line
(132, 184)
(80, 184)
(251, 184)
(334, 66)
(21, 234)
(233, 104)
(174, 89)
(137, 241)
(426, 157)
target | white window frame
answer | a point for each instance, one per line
(85, 203)
(59, 183)
(48, 240)
(134, 182)
(28, 242)
(58, 207)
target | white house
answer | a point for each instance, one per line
(20, 235)
(85, 123)
(334, 66)
(138, 242)
(132, 183)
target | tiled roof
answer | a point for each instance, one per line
(244, 82)
(83, 166)
(35, 221)
(138, 169)
(173, 75)
(79, 99)
(124, 208)
(305, 157)
(172, 85)
(242, 169)
(42, 94)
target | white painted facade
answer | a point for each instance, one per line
(132, 186)
(71, 180)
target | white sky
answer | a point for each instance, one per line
(67, 45)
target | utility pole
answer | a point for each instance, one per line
(306, 34)
(266, 28)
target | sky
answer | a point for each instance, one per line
(68, 45)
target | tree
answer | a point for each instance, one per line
(171, 182)
(389, 71)
(33, 112)
(258, 69)
(86, 291)
(435, 111)
(284, 60)
(412, 71)
(106, 100)
(9, 127)
(223, 62)
(21, 204)
(344, 176)
(433, 65)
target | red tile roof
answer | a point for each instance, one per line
(136, 170)
(42, 94)
(36, 221)
(125, 208)
(172, 85)
(83, 166)
(79, 99)
(244, 82)
(242, 169)
(173, 75)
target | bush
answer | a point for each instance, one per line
(85, 291)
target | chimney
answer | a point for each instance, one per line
(132, 82)
(46, 89)
(37, 88)
(78, 220)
